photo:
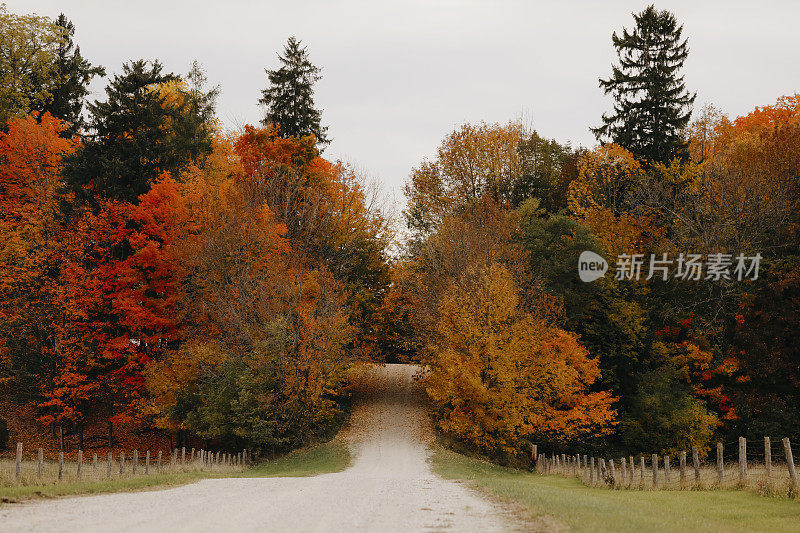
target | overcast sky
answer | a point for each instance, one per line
(398, 76)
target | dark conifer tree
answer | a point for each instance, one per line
(137, 133)
(651, 103)
(71, 78)
(289, 99)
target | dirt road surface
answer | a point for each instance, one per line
(389, 487)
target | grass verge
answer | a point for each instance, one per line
(332, 456)
(580, 508)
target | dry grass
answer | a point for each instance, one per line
(756, 479)
(95, 472)
(333, 456)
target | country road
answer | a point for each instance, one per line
(389, 487)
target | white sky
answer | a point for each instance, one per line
(398, 76)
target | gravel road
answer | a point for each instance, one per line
(390, 486)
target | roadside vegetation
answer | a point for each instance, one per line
(690, 337)
(566, 503)
(332, 456)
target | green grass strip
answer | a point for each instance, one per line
(580, 508)
(333, 456)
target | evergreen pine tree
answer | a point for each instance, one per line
(289, 99)
(138, 133)
(71, 77)
(652, 105)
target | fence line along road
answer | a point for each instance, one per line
(36, 469)
(770, 469)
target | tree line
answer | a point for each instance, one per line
(520, 351)
(161, 275)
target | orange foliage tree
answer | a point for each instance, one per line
(500, 376)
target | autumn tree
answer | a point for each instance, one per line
(507, 163)
(500, 376)
(57, 318)
(31, 155)
(472, 161)
(332, 216)
(651, 103)
(29, 51)
(268, 327)
(604, 198)
(289, 99)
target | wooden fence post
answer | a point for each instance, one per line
(147, 463)
(18, 465)
(601, 469)
(666, 469)
(767, 456)
(193, 455)
(613, 471)
(80, 463)
(591, 472)
(135, 460)
(94, 465)
(40, 466)
(696, 464)
(720, 464)
(121, 463)
(742, 459)
(60, 466)
(110, 460)
(641, 469)
(624, 470)
(183, 456)
(787, 448)
(633, 468)
(682, 466)
(654, 461)
(158, 464)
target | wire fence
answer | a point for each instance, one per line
(767, 468)
(34, 468)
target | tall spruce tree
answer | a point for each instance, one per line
(289, 99)
(651, 103)
(139, 132)
(70, 84)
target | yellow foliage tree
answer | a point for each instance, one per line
(472, 161)
(600, 199)
(499, 375)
